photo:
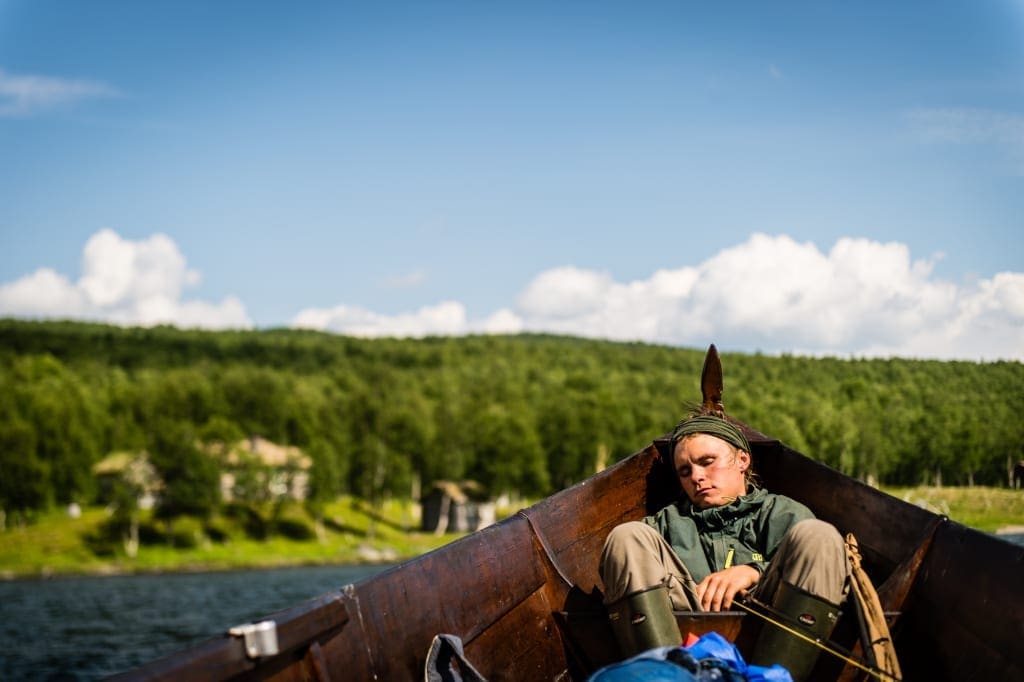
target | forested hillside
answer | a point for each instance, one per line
(526, 414)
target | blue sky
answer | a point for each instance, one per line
(819, 177)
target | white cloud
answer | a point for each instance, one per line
(503, 321)
(24, 95)
(774, 294)
(769, 293)
(115, 269)
(44, 293)
(124, 282)
(446, 318)
(565, 292)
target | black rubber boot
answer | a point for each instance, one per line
(811, 616)
(644, 620)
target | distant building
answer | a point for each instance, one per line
(277, 470)
(253, 468)
(450, 507)
(130, 469)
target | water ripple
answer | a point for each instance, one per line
(89, 628)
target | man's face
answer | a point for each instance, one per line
(710, 470)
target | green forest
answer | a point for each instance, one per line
(524, 414)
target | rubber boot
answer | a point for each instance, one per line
(644, 620)
(811, 616)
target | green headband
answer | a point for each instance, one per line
(714, 426)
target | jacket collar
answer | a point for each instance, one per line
(715, 517)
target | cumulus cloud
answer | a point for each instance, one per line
(769, 293)
(446, 318)
(503, 321)
(775, 294)
(124, 282)
(43, 293)
(24, 94)
(566, 293)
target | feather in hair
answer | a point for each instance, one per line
(711, 384)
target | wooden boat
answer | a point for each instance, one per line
(524, 595)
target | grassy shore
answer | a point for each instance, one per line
(348, 533)
(991, 510)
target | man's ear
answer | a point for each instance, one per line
(744, 460)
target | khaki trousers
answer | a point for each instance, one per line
(812, 557)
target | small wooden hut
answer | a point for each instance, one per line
(456, 507)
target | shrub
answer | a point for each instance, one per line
(295, 527)
(217, 530)
(185, 532)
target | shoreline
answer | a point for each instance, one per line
(107, 571)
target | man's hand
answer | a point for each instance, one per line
(717, 591)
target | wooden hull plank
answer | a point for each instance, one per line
(461, 589)
(966, 620)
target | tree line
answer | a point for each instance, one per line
(524, 414)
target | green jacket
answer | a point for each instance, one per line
(747, 531)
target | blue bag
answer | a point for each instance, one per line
(711, 659)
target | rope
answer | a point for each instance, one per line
(874, 672)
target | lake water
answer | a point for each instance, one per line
(1015, 538)
(89, 628)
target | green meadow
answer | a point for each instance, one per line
(987, 509)
(349, 532)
